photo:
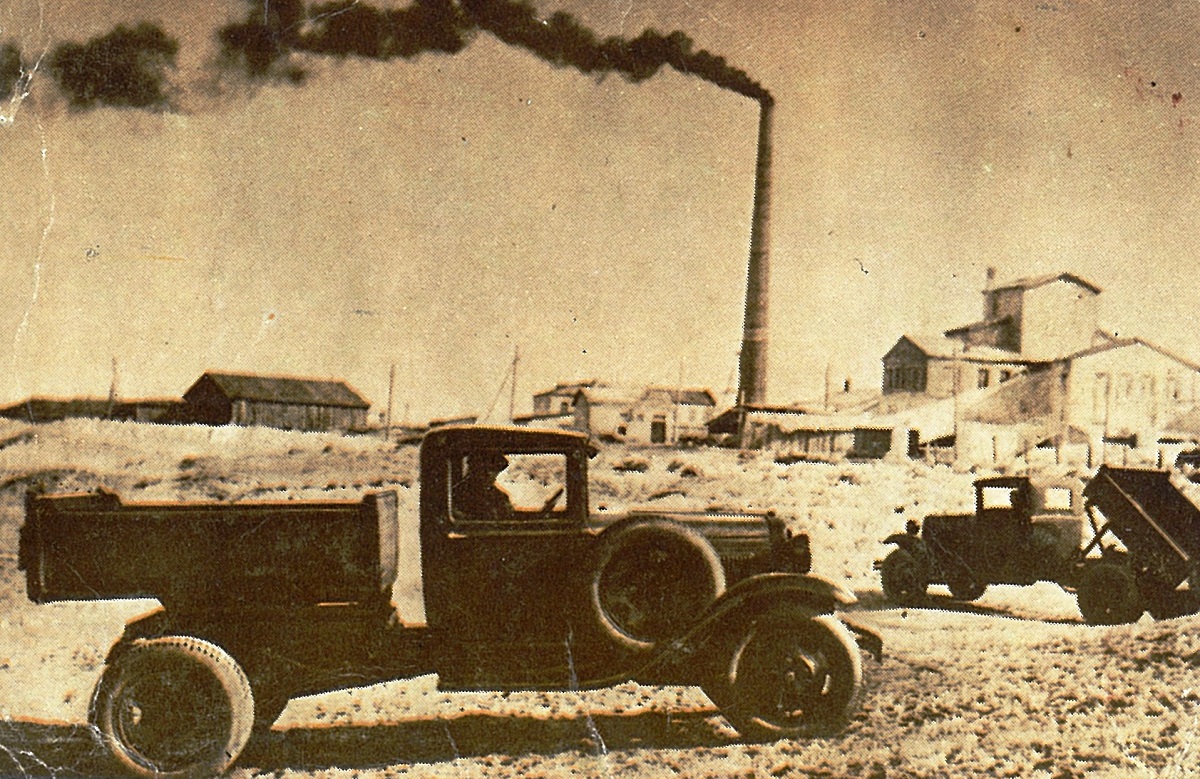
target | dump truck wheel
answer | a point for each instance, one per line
(790, 675)
(902, 579)
(173, 707)
(1108, 595)
(651, 579)
(1164, 601)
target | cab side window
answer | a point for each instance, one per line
(505, 486)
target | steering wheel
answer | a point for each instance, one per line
(549, 504)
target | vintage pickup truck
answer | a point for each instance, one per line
(262, 602)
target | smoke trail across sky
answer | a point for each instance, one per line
(261, 43)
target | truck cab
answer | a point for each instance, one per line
(1024, 529)
(498, 583)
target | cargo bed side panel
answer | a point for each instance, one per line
(95, 547)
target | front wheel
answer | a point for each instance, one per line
(965, 587)
(902, 579)
(173, 707)
(1108, 595)
(791, 675)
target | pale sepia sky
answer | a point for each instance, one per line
(435, 213)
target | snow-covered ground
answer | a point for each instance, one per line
(1013, 685)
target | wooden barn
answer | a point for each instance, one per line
(284, 402)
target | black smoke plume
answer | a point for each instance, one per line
(11, 72)
(260, 44)
(125, 68)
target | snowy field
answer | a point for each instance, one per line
(1014, 685)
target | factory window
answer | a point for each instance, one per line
(1005, 375)
(983, 378)
(909, 378)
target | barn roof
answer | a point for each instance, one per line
(285, 389)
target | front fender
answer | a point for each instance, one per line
(742, 603)
(906, 541)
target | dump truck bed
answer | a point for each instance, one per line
(208, 555)
(1157, 524)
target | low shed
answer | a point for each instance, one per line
(285, 402)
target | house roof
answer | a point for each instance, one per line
(981, 325)
(1031, 282)
(686, 396)
(949, 349)
(841, 402)
(1119, 343)
(611, 393)
(790, 421)
(629, 395)
(284, 389)
(567, 387)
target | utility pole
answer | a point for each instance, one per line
(387, 415)
(675, 404)
(955, 390)
(828, 369)
(112, 388)
(512, 390)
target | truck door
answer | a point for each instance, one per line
(515, 537)
(1003, 523)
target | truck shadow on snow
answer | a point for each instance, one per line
(34, 749)
(873, 600)
(477, 735)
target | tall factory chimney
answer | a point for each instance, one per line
(752, 365)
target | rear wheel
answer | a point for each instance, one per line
(1108, 595)
(902, 579)
(790, 675)
(174, 706)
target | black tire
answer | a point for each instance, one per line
(1108, 595)
(965, 587)
(902, 579)
(790, 675)
(173, 707)
(651, 579)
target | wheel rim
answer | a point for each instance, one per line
(789, 679)
(170, 716)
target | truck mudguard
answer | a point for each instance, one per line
(750, 597)
(905, 541)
